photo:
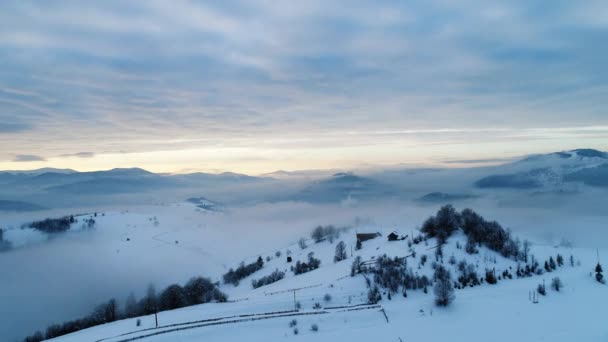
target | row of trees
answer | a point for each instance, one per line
(235, 276)
(197, 290)
(321, 233)
(269, 279)
(56, 225)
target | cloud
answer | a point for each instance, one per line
(28, 158)
(79, 155)
(478, 161)
(117, 76)
(13, 127)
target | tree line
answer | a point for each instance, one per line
(197, 290)
(235, 276)
(54, 225)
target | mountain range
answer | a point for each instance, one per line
(558, 171)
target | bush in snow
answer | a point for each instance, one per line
(556, 284)
(541, 289)
(491, 277)
(423, 259)
(316, 306)
(468, 275)
(340, 252)
(452, 260)
(314, 328)
(293, 323)
(444, 291)
(327, 297)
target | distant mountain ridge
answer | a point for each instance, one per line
(6, 205)
(587, 166)
(114, 181)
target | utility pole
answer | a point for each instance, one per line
(156, 316)
(295, 305)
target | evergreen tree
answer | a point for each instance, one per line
(552, 263)
(571, 260)
(560, 260)
(598, 273)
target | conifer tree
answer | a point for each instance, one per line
(598, 273)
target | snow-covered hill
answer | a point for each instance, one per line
(328, 303)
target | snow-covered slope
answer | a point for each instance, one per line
(501, 312)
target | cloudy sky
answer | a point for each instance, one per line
(257, 86)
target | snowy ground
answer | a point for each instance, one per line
(501, 312)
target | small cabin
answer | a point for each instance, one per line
(289, 259)
(393, 236)
(367, 236)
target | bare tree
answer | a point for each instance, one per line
(340, 252)
(526, 250)
(444, 291)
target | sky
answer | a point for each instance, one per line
(258, 86)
